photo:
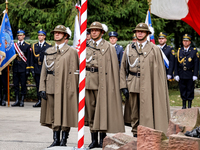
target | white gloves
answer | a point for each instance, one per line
(176, 78)
(168, 77)
(194, 78)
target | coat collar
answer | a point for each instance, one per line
(147, 48)
(103, 47)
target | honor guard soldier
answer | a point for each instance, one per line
(103, 100)
(168, 54)
(186, 70)
(119, 49)
(21, 67)
(134, 38)
(88, 37)
(38, 51)
(59, 87)
(144, 84)
(3, 87)
(70, 33)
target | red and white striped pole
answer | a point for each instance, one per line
(82, 53)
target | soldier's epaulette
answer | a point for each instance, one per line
(48, 43)
(27, 43)
(179, 48)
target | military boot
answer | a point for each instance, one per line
(38, 104)
(189, 103)
(63, 141)
(3, 100)
(17, 101)
(184, 104)
(94, 143)
(22, 101)
(102, 136)
(56, 139)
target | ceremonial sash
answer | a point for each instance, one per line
(20, 53)
(166, 61)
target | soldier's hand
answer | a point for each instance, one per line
(176, 78)
(194, 78)
(33, 73)
(43, 95)
(126, 93)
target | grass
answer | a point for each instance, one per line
(175, 98)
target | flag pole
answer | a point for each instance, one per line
(8, 77)
(149, 3)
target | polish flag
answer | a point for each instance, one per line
(185, 10)
(149, 23)
(77, 35)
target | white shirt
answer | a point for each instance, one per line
(20, 42)
(143, 44)
(114, 44)
(41, 43)
(60, 46)
(97, 41)
(161, 47)
(186, 49)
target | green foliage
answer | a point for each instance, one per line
(119, 15)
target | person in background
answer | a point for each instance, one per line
(38, 50)
(134, 38)
(186, 70)
(119, 49)
(3, 87)
(168, 55)
(21, 67)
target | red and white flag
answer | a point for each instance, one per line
(77, 35)
(185, 10)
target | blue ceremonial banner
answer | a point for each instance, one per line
(7, 50)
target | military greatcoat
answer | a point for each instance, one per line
(102, 77)
(151, 86)
(63, 85)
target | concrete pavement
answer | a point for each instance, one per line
(20, 129)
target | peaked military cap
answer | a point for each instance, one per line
(187, 37)
(113, 33)
(134, 36)
(142, 27)
(60, 28)
(41, 32)
(162, 35)
(95, 25)
(20, 32)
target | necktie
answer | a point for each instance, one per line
(95, 44)
(57, 48)
(140, 49)
(185, 51)
(40, 45)
(19, 43)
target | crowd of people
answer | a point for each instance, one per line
(141, 72)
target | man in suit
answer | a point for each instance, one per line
(39, 49)
(168, 54)
(119, 49)
(186, 70)
(21, 67)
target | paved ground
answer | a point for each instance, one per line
(20, 130)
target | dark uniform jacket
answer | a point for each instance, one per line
(169, 53)
(119, 51)
(19, 65)
(187, 64)
(38, 56)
